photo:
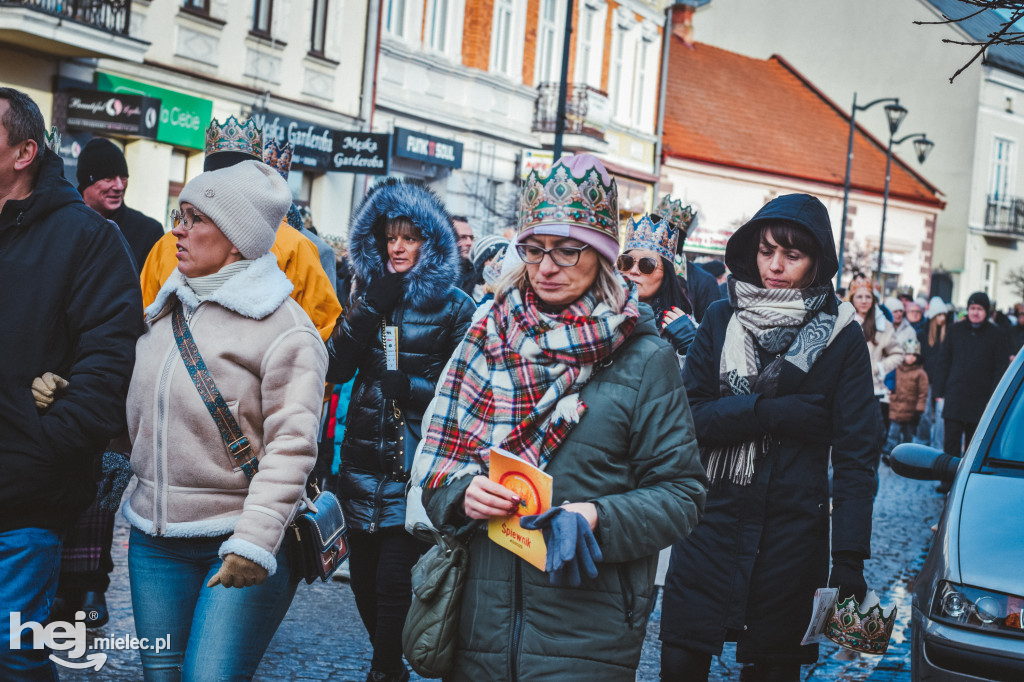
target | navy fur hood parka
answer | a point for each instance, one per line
(432, 317)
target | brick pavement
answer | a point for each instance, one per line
(323, 639)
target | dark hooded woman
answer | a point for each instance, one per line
(567, 371)
(646, 260)
(777, 375)
(406, 265)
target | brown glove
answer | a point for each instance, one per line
(237, 571)
(47, 388)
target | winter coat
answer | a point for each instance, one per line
(70, 305)
(296, 256)
(749, 571)
(326, 255)
(930, 357)
(970, 367)
(703, 289)
(139, 230)
(886, 354)
(432, 318)
(904, 332)
(634, 456)
(911, 394)
(268, 363)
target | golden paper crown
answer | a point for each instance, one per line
(652, 234)
(864, 628)
(278, 157)
(678, 216)
(233, 136)
(576, 192)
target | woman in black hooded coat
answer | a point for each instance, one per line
(767, 409)
(415, 290)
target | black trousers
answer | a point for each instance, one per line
(957, 431)
(380, 565)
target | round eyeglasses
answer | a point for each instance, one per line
(646, 264)
(562, 256)
(187, 218)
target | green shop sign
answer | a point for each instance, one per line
(183, 118)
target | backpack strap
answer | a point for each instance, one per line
(237, 442)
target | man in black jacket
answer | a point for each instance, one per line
(102, 181)
(71, 305)
(974, 357)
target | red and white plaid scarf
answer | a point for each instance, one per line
(513, 383)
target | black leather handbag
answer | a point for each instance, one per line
(319, 541)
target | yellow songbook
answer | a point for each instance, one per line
(533, 487)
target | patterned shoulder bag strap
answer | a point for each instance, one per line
(237, 442)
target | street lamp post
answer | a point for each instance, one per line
(923, 147)
(895, 113)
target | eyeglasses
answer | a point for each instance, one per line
(187, 218)
(562, 256)
(646, 264)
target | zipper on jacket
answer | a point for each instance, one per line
(160, 459)
(517, 621)
(378, 502)
(628, 598)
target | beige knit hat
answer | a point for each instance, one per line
(247, 201)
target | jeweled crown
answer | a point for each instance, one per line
(233, 136)
(278, 156)
(678, 216)
(652, 234)
(866, 630)
(563, 198)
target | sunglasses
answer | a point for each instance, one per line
(646, 264)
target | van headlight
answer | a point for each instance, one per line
(978, 609)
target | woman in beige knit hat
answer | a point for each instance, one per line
(202, 518)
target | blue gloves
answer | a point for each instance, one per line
(680, 332)
(571, 545)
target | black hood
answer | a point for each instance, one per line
(50, 193)
(802, 210)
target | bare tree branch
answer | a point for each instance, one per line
(1003, 36)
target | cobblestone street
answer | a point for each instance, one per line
(322, 637)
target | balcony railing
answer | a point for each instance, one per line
(112, 16)
(586, 110)
(1006, 215)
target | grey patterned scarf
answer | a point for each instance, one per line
(791, 324)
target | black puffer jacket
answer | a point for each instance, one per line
(432, 318)
(748, 572)
(72, 305)
(140, 231)
(971, 363)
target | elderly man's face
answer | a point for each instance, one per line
(914, 312)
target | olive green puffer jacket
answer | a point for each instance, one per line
(634, 456)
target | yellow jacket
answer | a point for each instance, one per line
(296, 256)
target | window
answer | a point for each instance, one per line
(319, 30)
(501, 43)
(615, 82)
(198, 6)
(395, 18)
(640, 81)
(437, 24)
(549, 56)
(989, 278)
(1003, 162)
(262, 13)
(590, 43)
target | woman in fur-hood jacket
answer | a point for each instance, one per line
(202, 516)
(405, 261)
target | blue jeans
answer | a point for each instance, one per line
(216, 633)
(29, 568)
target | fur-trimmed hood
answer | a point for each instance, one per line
(255, 292)
(437, 269)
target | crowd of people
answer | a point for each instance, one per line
(736, 413)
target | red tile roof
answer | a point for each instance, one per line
(762, 115)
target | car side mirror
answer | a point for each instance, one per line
(923, 463)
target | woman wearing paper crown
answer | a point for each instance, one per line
(567, 371)
(406, 263)
(777, 376)
(646, 260)
(206, 514)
